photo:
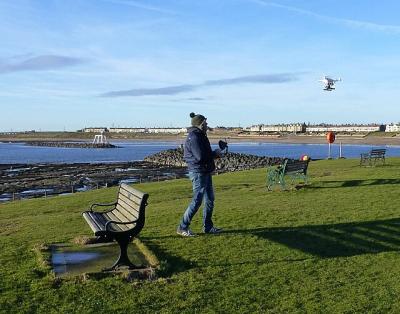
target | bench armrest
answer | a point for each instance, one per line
(110, 204)
(119, 223)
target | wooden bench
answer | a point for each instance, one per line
(294, 169)
(372, 157)
(122, 221)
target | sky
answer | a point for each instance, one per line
(66, 65)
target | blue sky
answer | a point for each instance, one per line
(65, 65)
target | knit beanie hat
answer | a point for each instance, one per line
(197, 119)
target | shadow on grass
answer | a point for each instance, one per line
(336, 240)
(351, 183)
(169, 264)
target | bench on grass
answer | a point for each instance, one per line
(294, 169)
(122, 221)
(372, 157)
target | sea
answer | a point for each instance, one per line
(20, 153)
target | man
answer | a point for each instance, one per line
(200, 161)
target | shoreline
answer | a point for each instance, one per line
(19, 181)
(214, 138)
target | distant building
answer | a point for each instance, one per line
(392, 128)
(149, 130)
(135, 130)
(345, 128)
(95, 130)
(287, 128)
(128, 130)
(255, 128)
(167, 130)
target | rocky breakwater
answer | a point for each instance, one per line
(229, 161)
(36, 180)
(72, 144)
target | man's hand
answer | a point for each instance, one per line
(218, 153)
(223, 145)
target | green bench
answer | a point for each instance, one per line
(289, 169)
(372, 157)
(122, 221)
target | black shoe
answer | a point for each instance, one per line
(214, 230)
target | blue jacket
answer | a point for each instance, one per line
(197, 153)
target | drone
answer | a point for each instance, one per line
(329, 83)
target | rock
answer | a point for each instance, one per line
(72, 144)
(37, 180)
(229, 162)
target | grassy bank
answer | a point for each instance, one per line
(331, 247)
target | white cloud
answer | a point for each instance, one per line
(40, 63)
(177, 89)
(141, 6)
(346, 22)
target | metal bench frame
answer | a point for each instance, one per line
(294, 169)
(112, 224)
(372, 157)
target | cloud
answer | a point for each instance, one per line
(267, 79)
(173, 90)
(196, 98)
(40, 63)
(140, 6)
(170, 90)
(346, 22)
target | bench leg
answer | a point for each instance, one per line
(282, 182)
(123, 259)
(272, 178)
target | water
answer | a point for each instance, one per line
(11, 153)
(69, 260)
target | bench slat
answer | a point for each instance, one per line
(127, 209)
(295, 168)
(128, 213)
(133, 197)
(115, 215)
(93, 222)
(126, 202)
(112, 216)
(132, 190)
(97, 222)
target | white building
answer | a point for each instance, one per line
(392, 128)
(290, 128)
(344, 128)
(95, 130)
(255, 128)
(167, 130)
(149, 130)
(128, 130)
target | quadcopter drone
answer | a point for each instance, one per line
(329, 83)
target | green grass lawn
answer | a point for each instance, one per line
(332, 247)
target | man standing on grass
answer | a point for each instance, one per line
(200, 161)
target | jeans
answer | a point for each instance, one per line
(202, 188)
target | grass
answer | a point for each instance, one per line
(382, 134)
(332, 247)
